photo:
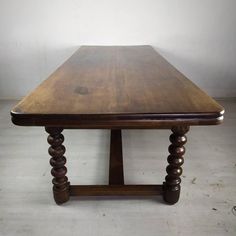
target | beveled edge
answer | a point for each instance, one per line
(122, 121)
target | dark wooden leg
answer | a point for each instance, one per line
(171, 186)
(58, 160)
(116, 173)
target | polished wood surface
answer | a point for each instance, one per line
(117, 86)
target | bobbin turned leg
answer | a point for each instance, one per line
(58, 160)
(171, 186)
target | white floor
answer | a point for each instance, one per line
(208, 186)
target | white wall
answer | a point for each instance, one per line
(197, 36)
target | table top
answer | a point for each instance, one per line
(122, 85)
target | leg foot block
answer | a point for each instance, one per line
(61, 197)
(170, 195)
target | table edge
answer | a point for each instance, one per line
(121, 120)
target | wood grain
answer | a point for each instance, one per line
(117, 84)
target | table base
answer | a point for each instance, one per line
(170, 189)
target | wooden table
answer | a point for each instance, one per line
(117, 87)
